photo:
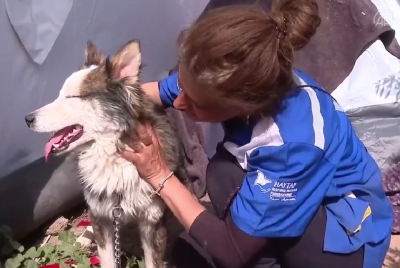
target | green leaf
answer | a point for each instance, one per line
(67, 237)
(132, 261)
(52, 258)
(79, 258)
(17, 246)
(31, 253)
(40, 252)
(81, 265)
(63, 236)
(85, 261)
(30, 264)
(66, 250)
(140, 263)
(48, 249)
(20, 257)
(12, 263)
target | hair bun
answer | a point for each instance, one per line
(297, 20)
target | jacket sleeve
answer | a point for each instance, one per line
(228, 246)
(169, 90)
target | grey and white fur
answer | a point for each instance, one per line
(97, 105)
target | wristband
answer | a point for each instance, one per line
(161, 185)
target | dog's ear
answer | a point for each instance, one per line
(108, 68)
(92, 55)
(126, 63)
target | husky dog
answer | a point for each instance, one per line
(96, 106)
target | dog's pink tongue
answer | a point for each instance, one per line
(53, 140)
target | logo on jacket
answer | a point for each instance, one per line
(261, 181)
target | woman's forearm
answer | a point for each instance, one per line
(153, 91)
(181, 202)
(222, 239)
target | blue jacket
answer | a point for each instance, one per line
(306, 156)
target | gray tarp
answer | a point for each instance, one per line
(42, 42)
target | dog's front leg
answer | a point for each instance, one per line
(154, 243)
(105, 245)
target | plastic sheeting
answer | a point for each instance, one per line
(370, 95)
(42, 44)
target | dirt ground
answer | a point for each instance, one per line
(393, 256)
(70, 221)
(48, 233)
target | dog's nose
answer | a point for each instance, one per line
(30, 119)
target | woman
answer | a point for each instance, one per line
(292, 185)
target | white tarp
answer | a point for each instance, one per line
(370, 95)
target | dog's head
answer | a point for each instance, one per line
(98, 103)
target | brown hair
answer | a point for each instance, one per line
(244, 55)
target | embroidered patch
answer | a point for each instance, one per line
(278, 191)
(283, 191)
(262, 182)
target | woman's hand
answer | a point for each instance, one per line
(149, 161)
(146, 156)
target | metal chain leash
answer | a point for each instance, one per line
(117, 213)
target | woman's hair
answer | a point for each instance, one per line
(244, 55)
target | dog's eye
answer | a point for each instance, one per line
(87, 95)
(73, 96)
(78, 96)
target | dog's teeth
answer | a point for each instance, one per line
(56, 145)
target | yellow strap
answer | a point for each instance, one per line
(367, 213)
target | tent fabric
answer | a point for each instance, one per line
(32, 191)
(39, 57)
(370, 96)
(27, 19)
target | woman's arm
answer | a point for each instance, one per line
(153, 91)
(227, 244)
(179, 200)
(163, 92)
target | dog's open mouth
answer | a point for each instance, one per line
(62, 139)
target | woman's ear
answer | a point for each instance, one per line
(127, 62)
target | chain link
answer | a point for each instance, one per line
(117, 213)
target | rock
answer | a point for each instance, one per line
(58, 225)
